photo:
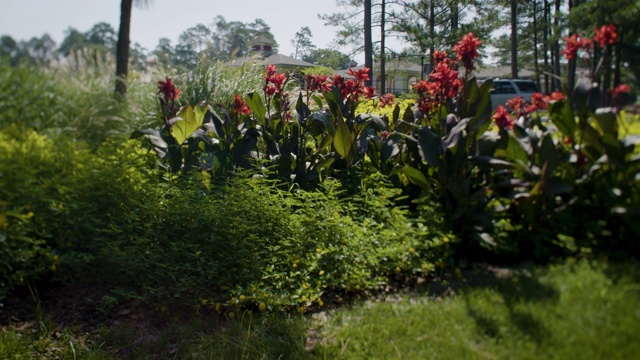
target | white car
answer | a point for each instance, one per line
(506, 89)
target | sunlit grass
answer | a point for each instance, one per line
(572, 311)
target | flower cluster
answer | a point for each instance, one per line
(273, 81)
(240, 106)
(317, 83)
(519, 107)
(443, 83)
(574, 43)
(618, 91)
(386, 100)
(168, 102)
(503, 119)
(354, 88)
(467, 50)
(605, 35)
(168, 89)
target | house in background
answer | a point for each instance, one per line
(399, 75)
(262, 53)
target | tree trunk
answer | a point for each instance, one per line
(571, 76)
(536, 67)
(368, 44)
(122, 48)
(383, 77)
(556, 47)
(432, 34)
(545, 46)
(514, 39)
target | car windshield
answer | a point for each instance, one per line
(526, 86)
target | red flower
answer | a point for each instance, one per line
(240, 106)
(606, 35)
(555, 96)
(168, 89)
(386, 99)
(278, 80)
(515, 104)
(317, 83)
(446, 78)
(467, 50)
(348, 87)
(369, 92)
(619, 90)
(361, 75)
(538, 102)
(503, 119)
(272, 77)
(271, 70)
(270, 90)
(440, 56)
(575, 43)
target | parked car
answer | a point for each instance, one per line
(506, 89)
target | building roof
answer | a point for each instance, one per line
(278, 60)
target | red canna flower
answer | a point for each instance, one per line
(555, 96)
(168, 89)
(503, 119)
(361, 75)
(240, 106)
(270, 90)
(606, 35)
(446, 78)
(467, 50)
(317, 83)
(515, 104)
(574, 43)
(386, 99)
(271, 70)
(538, 102)
(369, 92)
(618, 91)
(440, 56)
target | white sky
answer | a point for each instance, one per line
(24, 19)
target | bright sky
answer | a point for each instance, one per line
(24, 19)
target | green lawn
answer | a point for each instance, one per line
(575, 310)
(571, 311)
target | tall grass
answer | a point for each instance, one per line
(74, 98)
(217, 81)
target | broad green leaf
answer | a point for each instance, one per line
(343, 140)
(254, 101)
(548, 154)
(191, 120)
(516, 150)
(415, 176)
(430, 146)
(607, 121)
(320, 121)
(302, 110)
(562, 116)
